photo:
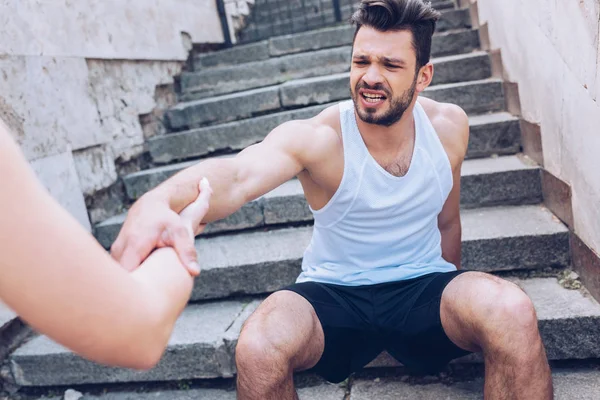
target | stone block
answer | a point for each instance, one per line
(494, 134)
(323, 391)
(511, 238)
(461, 68)
(486, 182)
(233, 136)
(238, 54)
(490, 134)
(249, 216)
(455, 42)
(224, 108)
(312, 40)
(252, 75)
(58, 175)
(319, 90)
(196, 350)
(453, 20)
(475, 97)
(255, 263)
(141, 182)
(96, 168)
(48, 121)
(502, 181)
(204, 339)
(568, 384)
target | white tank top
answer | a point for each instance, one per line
(378, 227)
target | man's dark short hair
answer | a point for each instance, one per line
(416, 16)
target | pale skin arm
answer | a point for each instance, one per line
(64, 284)
(285, 152)
(453, 129)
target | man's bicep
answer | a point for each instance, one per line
(264, 166)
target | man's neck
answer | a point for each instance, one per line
(382, 139)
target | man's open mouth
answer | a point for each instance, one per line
(372, 97)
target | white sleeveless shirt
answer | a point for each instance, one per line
(378, 227)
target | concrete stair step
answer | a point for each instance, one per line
(203, 342)
(268, 21)
(475, 97)
(494, 239)
(507, 180)
(445, 43)
(569, 384)
(216, 81)
(138, 183)
(490, 134)
(322, 391)
(266, 13)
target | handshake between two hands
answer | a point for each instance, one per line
(152, 224)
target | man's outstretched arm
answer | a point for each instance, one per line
(153, 221)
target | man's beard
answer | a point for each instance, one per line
(398, 105)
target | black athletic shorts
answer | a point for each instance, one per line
(360, 322)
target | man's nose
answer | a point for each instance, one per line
(373, 76)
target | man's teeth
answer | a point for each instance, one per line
(372, 98)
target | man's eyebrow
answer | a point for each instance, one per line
(360, 57)
(397, 61)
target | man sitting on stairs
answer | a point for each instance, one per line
(381, 174)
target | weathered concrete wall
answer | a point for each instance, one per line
(107, 29)
(552, 50)
(77, 76)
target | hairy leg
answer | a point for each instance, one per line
(481, 312)
(282, 336)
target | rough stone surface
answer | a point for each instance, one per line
(140, 182)
(196, 350)
(252, 75)
(454, 19)
(474, 97)
(443, 44)
(224, 108)
(256, 74)
(461, 68)
(204, 338)
(490, 134)
(137, 29)
(95, 168)
(249, 263)
(568, 385)
(325, 89)
(505, 181)
(124, 90)
(455, 42)
(509, 238)
(233, 136)
(494, 134)
(323, 391)
(59, 176)
(485, 182)
(250, 52)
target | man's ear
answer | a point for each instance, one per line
(425, 77)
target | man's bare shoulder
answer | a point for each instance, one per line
(310, 139)
(451, 124)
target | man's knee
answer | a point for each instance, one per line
(276, 334)
(507, 315)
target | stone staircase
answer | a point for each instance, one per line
(232, 99)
